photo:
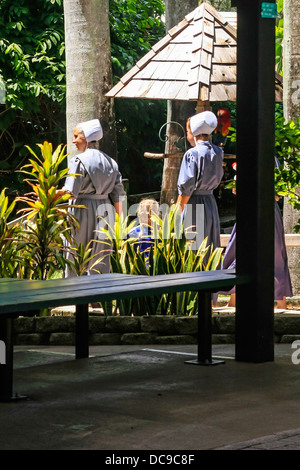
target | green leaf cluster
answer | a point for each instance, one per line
(33, 246)
(48, 221)
(287, 145)
(170, 252)
(135, 27)
(32, 72)
(279, 37)
(287, 150)
(32, 52)
(8, 239)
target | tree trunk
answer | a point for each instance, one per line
(291, 100)
(88, 68)
(178, 111)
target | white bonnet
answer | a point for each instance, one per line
(203, 123)
(92, 130)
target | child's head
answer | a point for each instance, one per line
(146, 208)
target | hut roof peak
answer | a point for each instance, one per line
(196, 60)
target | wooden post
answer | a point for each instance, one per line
(255, 182)
(203, 106)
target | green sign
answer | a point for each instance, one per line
(268, 10)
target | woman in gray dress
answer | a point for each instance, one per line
(282, 279)
(97, 186)
(200, 173)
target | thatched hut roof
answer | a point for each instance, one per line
(195, 61)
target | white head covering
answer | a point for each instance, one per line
(203, 123)
(92, 130)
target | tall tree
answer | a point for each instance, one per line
(291, 100)
(178, 111)
(88, 67)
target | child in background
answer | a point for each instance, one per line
(143, 232)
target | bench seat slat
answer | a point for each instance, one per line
(137, 286)
(103, 279)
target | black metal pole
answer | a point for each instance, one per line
(204, 356)
(255, 181)
(82, 331)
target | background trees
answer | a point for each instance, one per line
(33, 70)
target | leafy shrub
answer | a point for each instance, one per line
(8, 239)
(48, 223)
(169, 252)
(287, 177)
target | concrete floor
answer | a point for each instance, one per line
(147, 398)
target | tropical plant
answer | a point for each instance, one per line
(48, 220)
(9, 262)
(169, 252)
(287, 146)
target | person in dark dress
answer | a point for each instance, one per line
(200, 174)
(282, 279)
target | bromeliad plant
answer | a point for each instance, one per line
(48, 220)
(169, 252)
(9, 260)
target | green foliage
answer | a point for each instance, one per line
(287, 150)
(32, 49)
(135, 27)
(48, 221)
(8, 242)
(287, 145)
(35, 247)
(32, 69)
(279, 37)
(170, 252)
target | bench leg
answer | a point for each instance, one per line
(6, 361)
(204, 332)
(82, 331)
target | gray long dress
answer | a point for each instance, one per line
(200, 173)
(282, 280)
(97, 185)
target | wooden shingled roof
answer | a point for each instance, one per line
(195, 61)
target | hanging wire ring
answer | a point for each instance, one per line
(179, 141)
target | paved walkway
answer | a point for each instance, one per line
(147, 398)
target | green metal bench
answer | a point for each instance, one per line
(22, 296)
